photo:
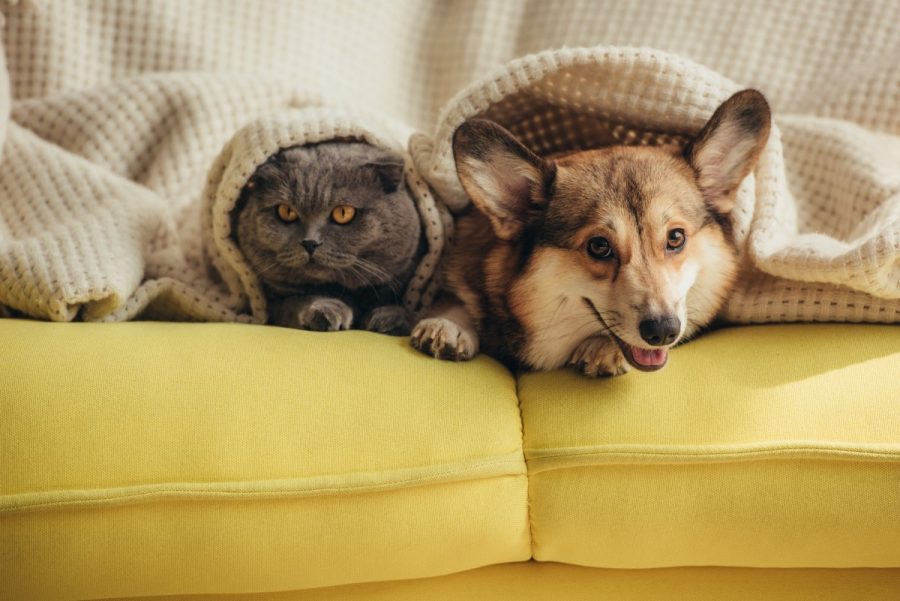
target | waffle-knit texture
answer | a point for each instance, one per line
(119, 109)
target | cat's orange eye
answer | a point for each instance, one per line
(343, 214)
(287, 214)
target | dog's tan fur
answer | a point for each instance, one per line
(518, 280)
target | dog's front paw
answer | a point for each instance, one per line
(599, 356)
(389, 319)
(444, 339)
(325, 315)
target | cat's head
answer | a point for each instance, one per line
(329, 213)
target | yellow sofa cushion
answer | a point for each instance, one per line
(760, 446)
(532, 581)
(242, 458)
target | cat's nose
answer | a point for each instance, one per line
(310, 245)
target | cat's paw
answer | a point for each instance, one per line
(389, 319)
(599, 356)
(444, 339)
(325, 315)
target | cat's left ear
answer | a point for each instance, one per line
(390, 174)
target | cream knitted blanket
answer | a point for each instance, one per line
(127, 129)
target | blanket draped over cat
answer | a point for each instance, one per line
(128, 129)
(261, 139)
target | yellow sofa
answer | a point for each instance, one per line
(243, 462)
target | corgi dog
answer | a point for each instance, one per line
(599, 259)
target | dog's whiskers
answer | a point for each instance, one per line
(562, 302)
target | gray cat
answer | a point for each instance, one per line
(333, 235)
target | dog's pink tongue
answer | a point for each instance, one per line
(649, 357)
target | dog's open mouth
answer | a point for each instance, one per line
(644, 359)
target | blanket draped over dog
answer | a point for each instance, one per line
(128, 129)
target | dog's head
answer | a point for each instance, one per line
(633, 242)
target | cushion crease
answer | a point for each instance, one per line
(510, 464)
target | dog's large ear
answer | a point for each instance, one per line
(727, 147)
(506, 181)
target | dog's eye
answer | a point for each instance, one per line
(599, 248)
(676, 240)
(286, 213)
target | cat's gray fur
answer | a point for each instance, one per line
(357, 275)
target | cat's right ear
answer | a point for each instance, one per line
(505, 180)
(390, 174)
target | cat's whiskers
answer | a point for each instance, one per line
(363, 276)
(358, 276)
(291, 257)
(385, 278)
(372, 269)
(344, 268)
(267, 267)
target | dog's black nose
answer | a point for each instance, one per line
(660, 331)
(310, 245)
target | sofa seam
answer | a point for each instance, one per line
(736, 455)
(532, 545)
(184, 491)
